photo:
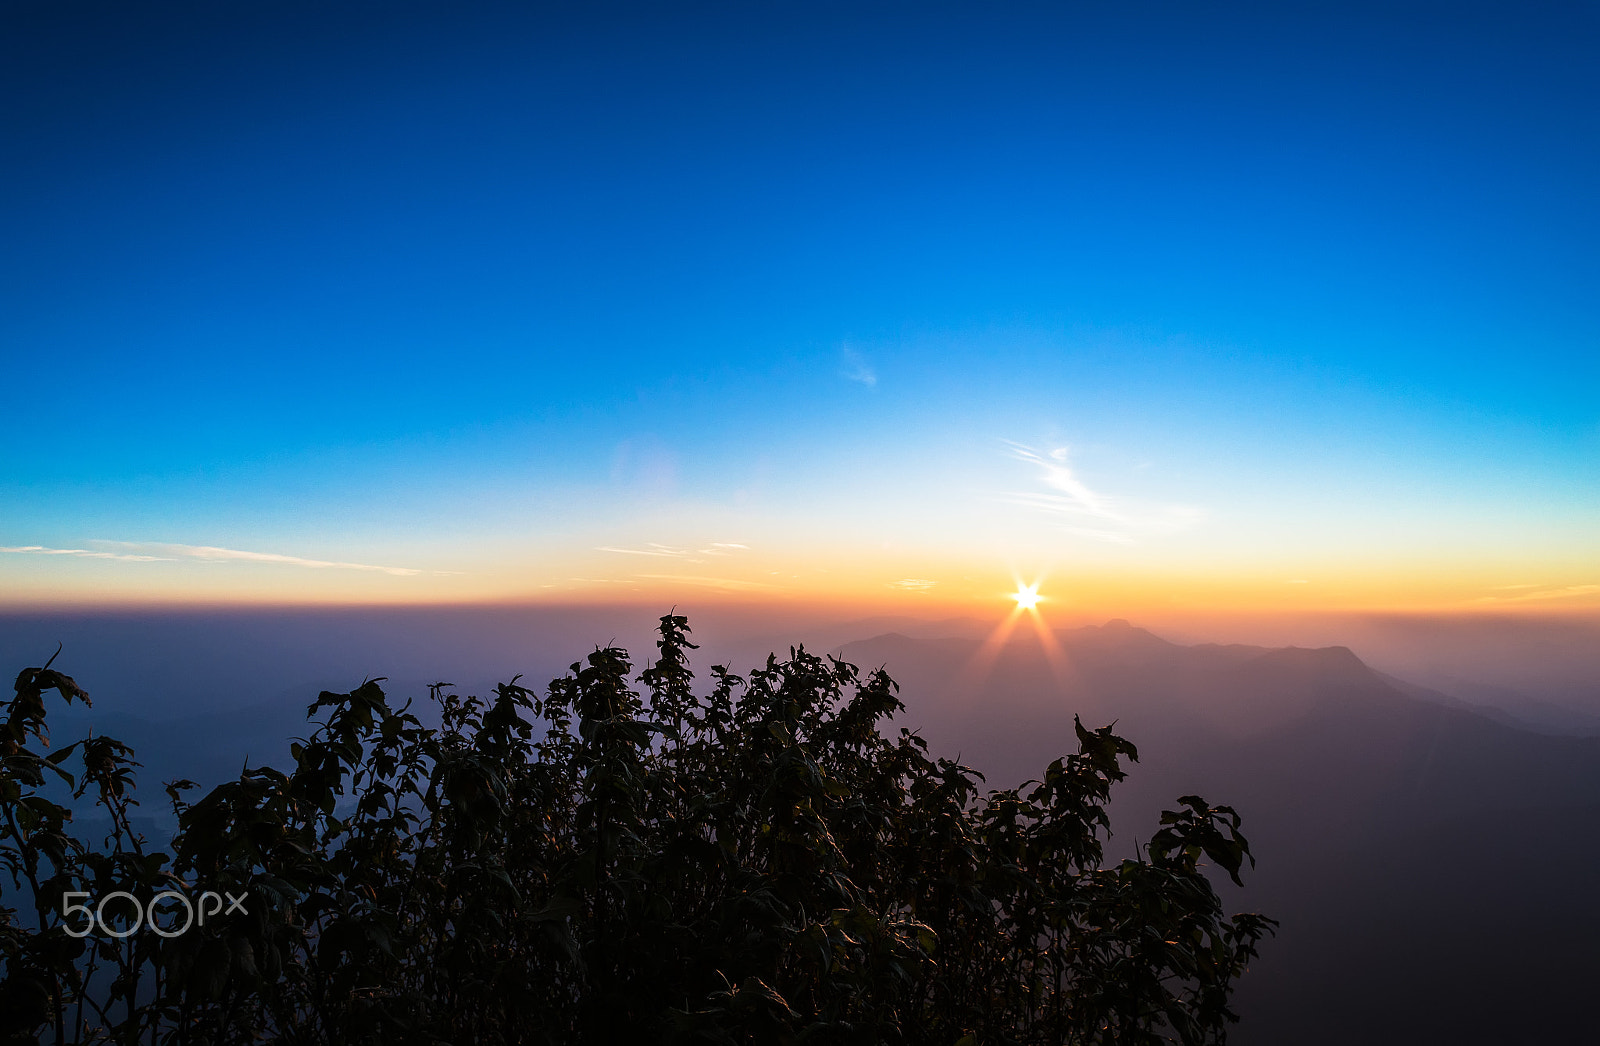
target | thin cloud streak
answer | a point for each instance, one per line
(1074, 494)
(214, 554)
(724, 583)
(653, 548)
(1568, 592)
(857, 369)
(40, 550)
(1113, 520)
(1113, 537)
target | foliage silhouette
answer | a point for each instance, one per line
(603, 863)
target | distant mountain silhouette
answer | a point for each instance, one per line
(1434, 868)
(1434, 864)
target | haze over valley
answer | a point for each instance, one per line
(1405, 837)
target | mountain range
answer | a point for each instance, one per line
(1433, 867)
(1433, 863)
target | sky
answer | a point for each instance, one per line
(1249, 307)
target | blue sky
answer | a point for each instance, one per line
(481, 292)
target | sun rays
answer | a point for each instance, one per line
(1027, 598)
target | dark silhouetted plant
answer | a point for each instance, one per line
(606, 863)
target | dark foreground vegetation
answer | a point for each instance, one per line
(606, 864)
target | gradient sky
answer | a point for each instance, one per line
(1195, 304)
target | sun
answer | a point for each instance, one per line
(1027, 596)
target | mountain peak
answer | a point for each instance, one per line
(1115, 635)
(1324, 657)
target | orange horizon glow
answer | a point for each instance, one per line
(918, 581)
(1091, 594)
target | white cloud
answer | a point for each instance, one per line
(652, 549)
(213, 554)
(913, 584)
(40, 550)
(1114, 537)
(1110, 518)
(724, 583)
(1568, 592)
(1072, 494)
(857, 369)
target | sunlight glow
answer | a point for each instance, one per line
(1027, 596)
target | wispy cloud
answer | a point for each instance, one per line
(40, 550)
(857, 369)
(651, 549)
(1566, 592)
(913, 584)
(1071, 494)
(1112, 537)
(725, 583)
(214, 554)
(687, 555)
(1091, 513)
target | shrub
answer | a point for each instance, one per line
(761, 864)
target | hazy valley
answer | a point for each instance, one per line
(1416, 848)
